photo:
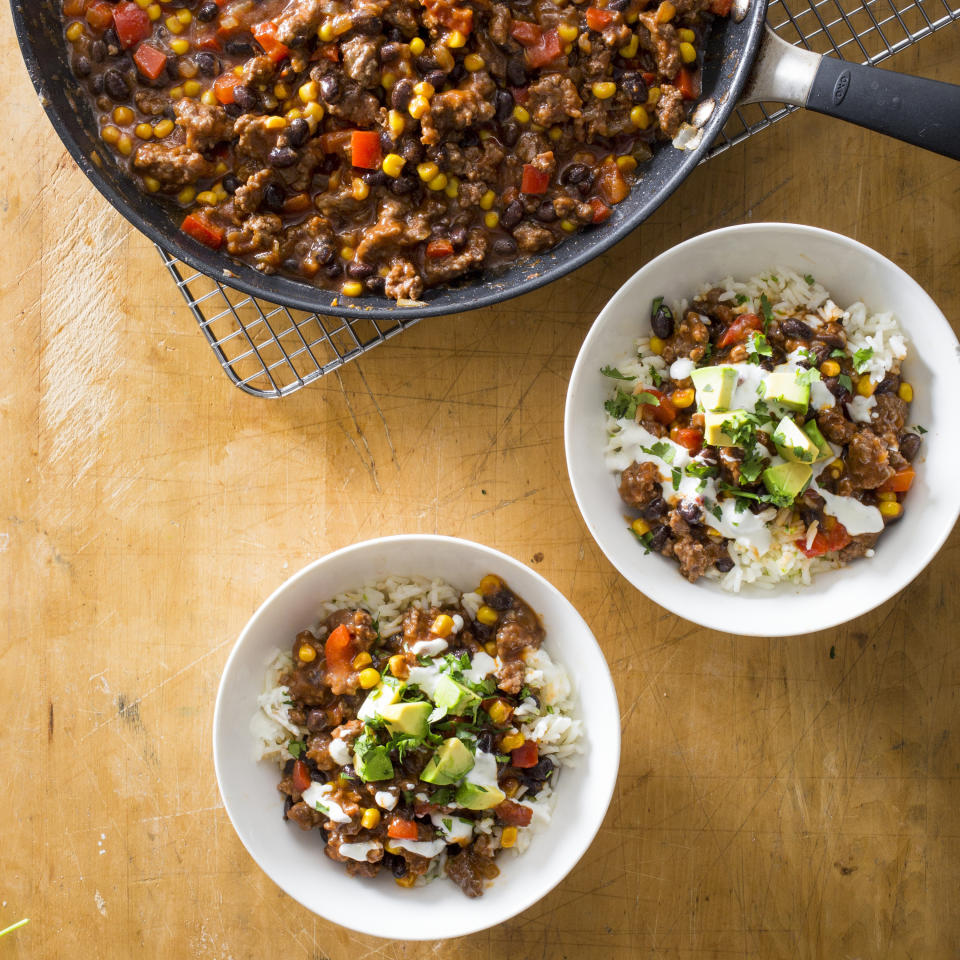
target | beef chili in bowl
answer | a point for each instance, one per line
(387, 147)
(476, 751)
(737, 441)
(420, 730)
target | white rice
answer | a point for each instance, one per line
(789, 294)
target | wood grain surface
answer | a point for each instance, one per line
(777, 798)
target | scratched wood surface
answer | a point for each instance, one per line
(777, 798)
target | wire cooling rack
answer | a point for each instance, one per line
(271, 351)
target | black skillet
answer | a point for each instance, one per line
(919, 111)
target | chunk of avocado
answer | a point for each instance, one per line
(715, 386)
(453, 697)
(450, 761)
(793, 444)
(409, 718)
(387, 691)
(811, 429)
(783, 387)
(713, 425)
(472, 796)
(787, 479)
(371, 760)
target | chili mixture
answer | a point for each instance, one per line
(387, 147)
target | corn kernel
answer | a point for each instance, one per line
(74, 31)
(417, 46)
(682, 399)
(473, 61)
(887, 496)
(568, 225)
(154, 12)
(905, 392)
(370, 818)
(491, 219)
(656, 345)
(424, 89)
(125, 145)
(491, 647)
(666, 12)
(555, 133)
(438, 182)
(830, 368)
(688, 52)
(275, 123)
(180, 46)
(122, 116)
(408, 881)
(521, 114)
(509, 837)
(684, 33)
(185, 16)
(398, 666)
(418, 107)
(362, 660)
(604, 89)
(207, 197)
(388, 80)
(174, 25)
(653, 96)
(626, 163)
(837, 467)
(176, 93)
(151, 183)
(186, 195)
(630, 50)
(487, 616)
(393, 164)
(325, 33)
(442, 626)
(360, 189)
(499, 712)
(347, 252)
(640, 527)
(568, 32)
(192, 87)
(221, 168)
(396, 123)
(452, 189)
(890, 509)
(209, 98)
(512, 741)
(865, 387)
(110, 134)
(306, 653)
(427, 171)
(491, 583)
(639, 117)
(486, 201)
(368, 678)
(455, 39)
(633, 16)
(281, 91)
(313, 111)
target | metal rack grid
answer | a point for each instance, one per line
(269, 350)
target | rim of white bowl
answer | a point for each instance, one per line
(596, 332)
(585, 837)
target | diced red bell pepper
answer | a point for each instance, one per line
(198, 227)
(611, 184)
(688, 83)
(900, 482)
(208, 42)
(224, 85)
(520, 95)
(265, 33)
(513, 814)
(546, 50)
(534, 180)
(301, 776)
(74, 8)
(740, 329)
(526, 33)
(597, 18)
(663, 411)
(437, 249)
(99, 15)
(329, 51)
(131, 23)
(365, 149)
(720, 8)
(690, 439)
(402, 829)
(601, 211)
(826, 540)
(150, 61)
(649, 78)
(339, 647)
(526, 755)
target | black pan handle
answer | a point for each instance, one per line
(922, 112)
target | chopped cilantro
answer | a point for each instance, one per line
(809, 278)
(921, 429)
(845, 382)
(808, 376)
(771, 498)
(758, 347)
(861, 358)
(614, 374)
(658, 306)
(767, 311)
(503, 758)
(715, 509)
(697, 468)
(676, 476)
(707, 352)
(742, 298)
(838, 353)
(655, 376)
(525, 692)
(644, 397)
(751, 467)
(447, 823)
(646, 539)
(623, 406)
(296, 748)
(442, 796)
(661, 449)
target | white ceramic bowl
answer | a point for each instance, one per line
(850, 271)
(295, 860)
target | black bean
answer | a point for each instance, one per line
(889, 384)
(662, 322)
(689, 511)
(510, 133)
(331, 89)
(98, 51)
(297, 132)
(375, 178)
(660, 536)
(112, 41)
(208, 11)
(401, 186)
(458, 72)
(618, 5)
(287, 804)
(436, 78)
(910, 445)
(240, 48)
(325, 255)
(797, 329)
(232, 183)
(425, 64)
(82, 67)
(458, 236)
(398, 865)
(115, 85)
(288, 767)
(820, 351)
(485, 742)
(389, 51)
(247, 99)
(575, 173)
(232, 110)
(469, 138)
(505, 246)
(512, 215)
(395, 34)
(282, 157)
(401, 94)
(656, 508)
(516, 72)
(837, 389)
(545, 212)
(359, 271)
(503, 105)
(585, 187)
(375, 284)
(96, 84)
(724, 564)
(334, 269)
(207, 63)
(273, 197)
(501, 600)
(371, 26)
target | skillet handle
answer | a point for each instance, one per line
(923, 112)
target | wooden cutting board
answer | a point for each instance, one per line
(784, 798)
